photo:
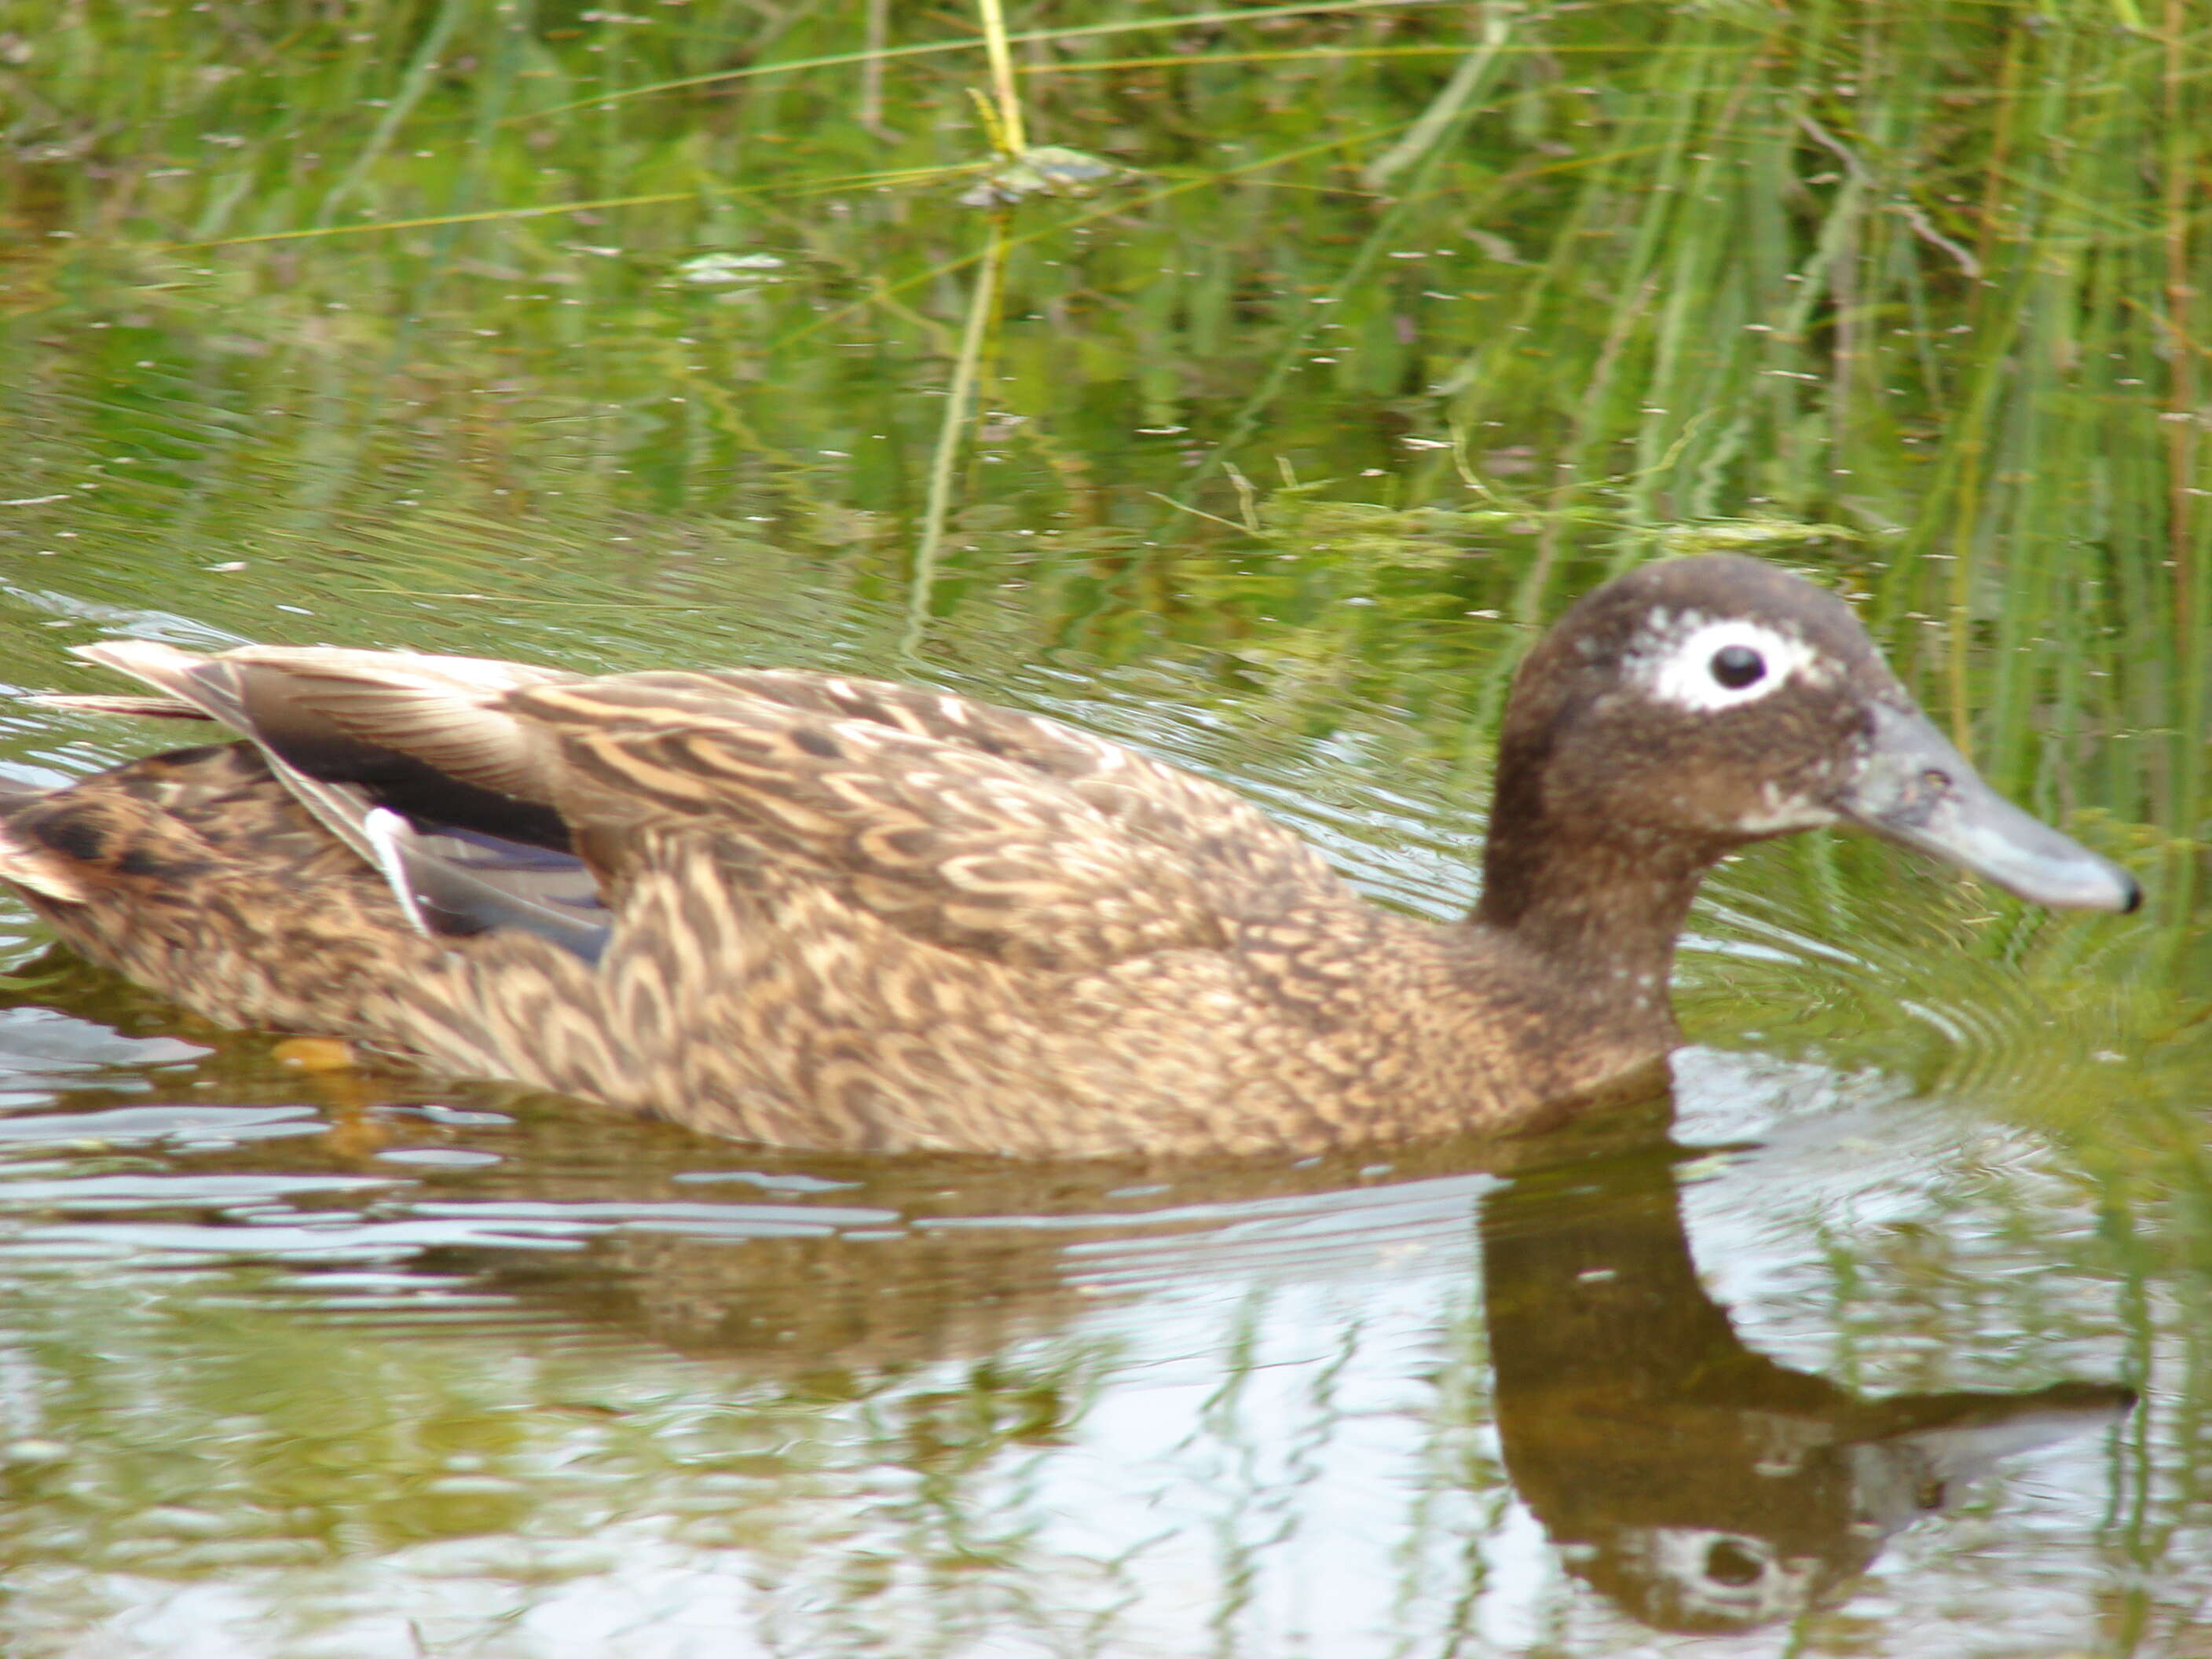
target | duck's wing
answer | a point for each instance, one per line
(1210, 827)
(462, 853)
(962, 824)
(155, 707)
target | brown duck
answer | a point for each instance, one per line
(825, 912)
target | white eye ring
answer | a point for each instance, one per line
(1678, 668)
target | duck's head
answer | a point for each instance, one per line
(1692, 706)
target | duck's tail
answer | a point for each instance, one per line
(23, 862)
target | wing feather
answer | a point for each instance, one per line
(345, 731)
(963, 825)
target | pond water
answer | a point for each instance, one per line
(1883, 1333)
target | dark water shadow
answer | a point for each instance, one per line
(1697, 1485)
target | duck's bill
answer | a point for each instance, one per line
(1917, 789)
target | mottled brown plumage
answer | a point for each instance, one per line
(824, 912)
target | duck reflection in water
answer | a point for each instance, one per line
(1699, 1486)
(1696, 1484)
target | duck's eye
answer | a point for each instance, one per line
(1705, 664)
(1738, 666)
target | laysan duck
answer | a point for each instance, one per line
(834, 912)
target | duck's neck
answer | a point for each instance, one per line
(1603, 907)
